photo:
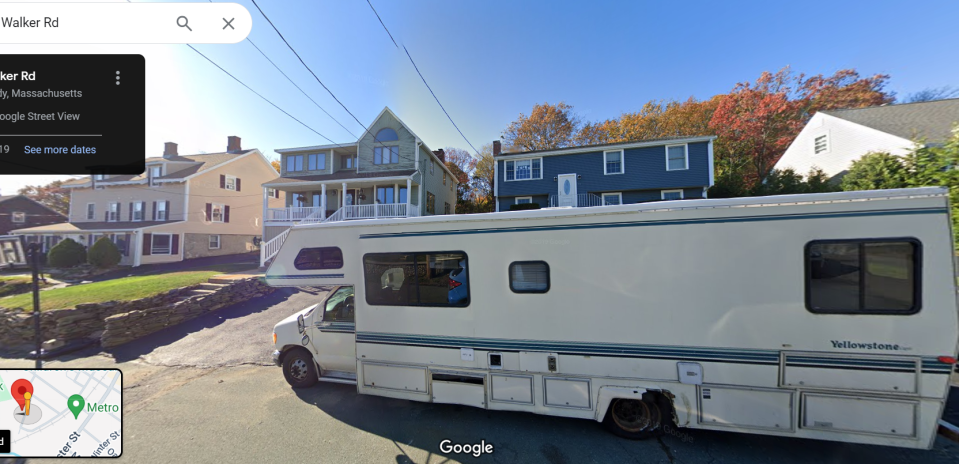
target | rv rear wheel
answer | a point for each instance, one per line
(633, 419)
(298, 368)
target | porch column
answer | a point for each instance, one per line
(344, 195)
(137, 247)
(266, 205)
(409, 195)
(376, 208)
(323, 202)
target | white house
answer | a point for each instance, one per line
(833, 139)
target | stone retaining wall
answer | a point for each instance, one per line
(118, 322)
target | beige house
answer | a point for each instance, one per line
(388, 172)
(182, 207)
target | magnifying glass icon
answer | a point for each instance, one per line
(183, 22)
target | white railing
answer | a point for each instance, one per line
(582, 200)
(387, 210)
(269, 249)
(291, 214)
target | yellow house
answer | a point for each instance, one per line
(182, 207)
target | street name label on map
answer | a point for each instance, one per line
(61, 412)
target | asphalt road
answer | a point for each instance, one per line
(206, 392)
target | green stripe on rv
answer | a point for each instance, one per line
(784, 217)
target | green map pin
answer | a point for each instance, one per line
(76, 403)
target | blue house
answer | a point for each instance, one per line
(673, 168)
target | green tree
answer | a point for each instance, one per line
(876, 171)
(104, 253)
(67, 253)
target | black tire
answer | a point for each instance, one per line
(298, 368)
(633, 419)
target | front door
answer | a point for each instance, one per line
(334, 333)
(567, 190)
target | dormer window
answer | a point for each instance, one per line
(387, 135)
(156, 171)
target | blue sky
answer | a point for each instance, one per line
(488, 61)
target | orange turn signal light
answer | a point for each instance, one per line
(274, 338)
(942, 359)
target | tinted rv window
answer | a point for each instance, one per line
(863, 276)
(529, 277)
(318, 258)
(416, 279)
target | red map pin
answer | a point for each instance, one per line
(18, 389)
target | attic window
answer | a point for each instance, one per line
(821, 144)
(387, 135)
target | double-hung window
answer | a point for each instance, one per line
(614, 162)
(161, 244)
(137, 211)
(527, 169)
(217, 213)
(677, 158)
(229, 183)
(161, 212)
(316, 162)
(91, 211)
(386, 155)
(113, 214)
(214, 242)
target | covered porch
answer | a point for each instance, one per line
(343, 200)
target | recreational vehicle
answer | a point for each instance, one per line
(826, 316)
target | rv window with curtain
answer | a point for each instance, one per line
(319, 258)
(863, 276)
(529, 277)
(416, 279)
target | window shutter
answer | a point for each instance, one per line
(106, 214)
(131, 211)
(209, 212)
(226, 213)
(175, 245)
(222, 181)
(154, 211)
(237, 184)
(167, 211)
(147, 244)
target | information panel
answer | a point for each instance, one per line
(72, 114)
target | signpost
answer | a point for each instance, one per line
(34, 252)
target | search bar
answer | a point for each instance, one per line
(123, 23)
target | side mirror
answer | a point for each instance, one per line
(300, 323)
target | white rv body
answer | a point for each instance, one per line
(703, 299)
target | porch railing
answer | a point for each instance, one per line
(386, 210)
(582, 200)
(270, 248)
(293, 213)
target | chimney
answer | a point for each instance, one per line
(441, 154)
(233, 144)
(169, 150)
(497, 148)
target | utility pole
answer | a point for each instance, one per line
(34, 252)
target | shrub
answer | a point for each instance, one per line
(523, 206)
(104, 253)
(67, 253)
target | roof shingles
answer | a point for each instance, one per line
(932, 121)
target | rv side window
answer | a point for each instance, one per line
(318, 258)
(863, 276)
(416, 279)
(529, 277)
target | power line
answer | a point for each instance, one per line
(421, 77)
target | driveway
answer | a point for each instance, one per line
(206, 391)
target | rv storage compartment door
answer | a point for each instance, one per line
(567, 393)
(512, 388)
(872, 373)
(863, 415)
(750, 408)
(459, 388)
(393, 377)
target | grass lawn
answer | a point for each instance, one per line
(10, 285)
(126, 288)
